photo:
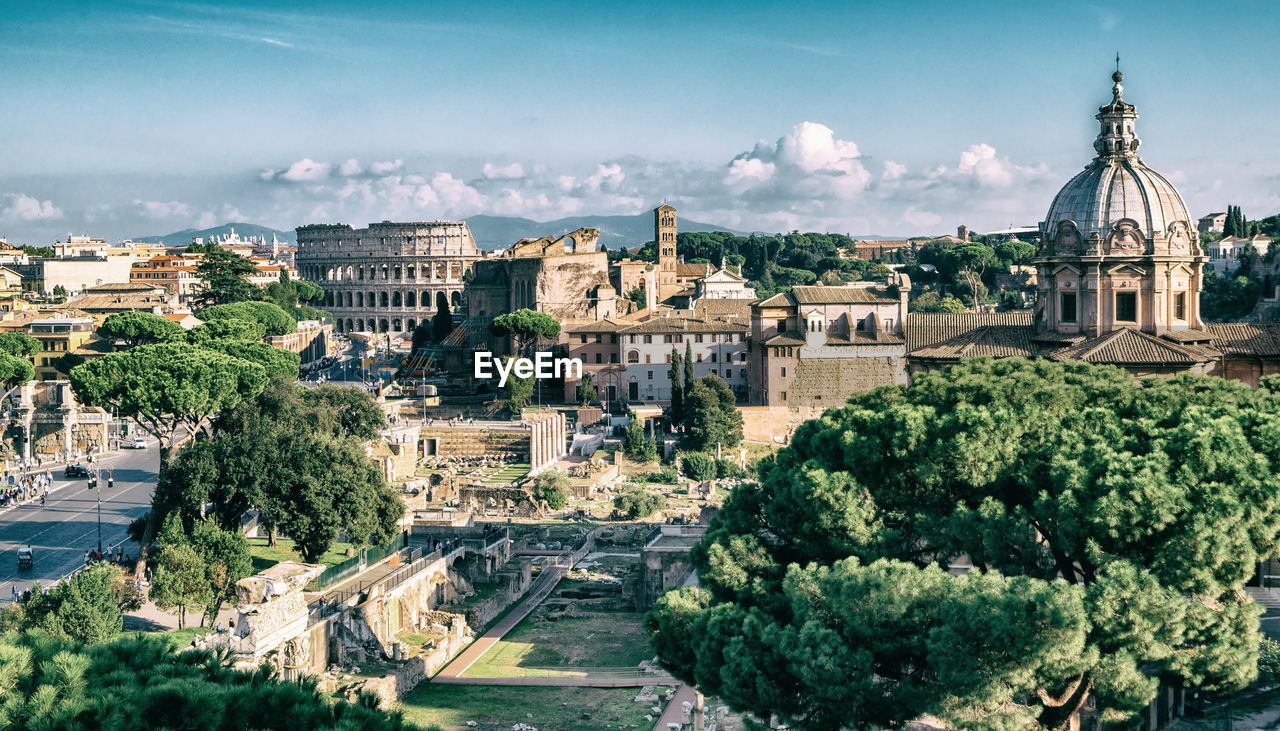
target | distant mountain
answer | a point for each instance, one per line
(499, 232)
(245, 230)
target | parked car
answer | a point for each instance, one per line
(136, 443)
(75, 470)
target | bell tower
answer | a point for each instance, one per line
(664, 236)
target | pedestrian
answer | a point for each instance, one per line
(86, 558)
(16, 595)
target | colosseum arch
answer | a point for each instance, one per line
(382, 326)
(455, 299)
(410, 299)
(385, 299)
(397, 325)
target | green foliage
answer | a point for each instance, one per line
(275, 321)
(422, 336)
(167, 386)
(678, 386)
(1268, 660)
(45, 251)
(664, 476)
(553, 488)
(293, 294)
(296, 456)
(278, 363)
(698, 466)
(587, 391)
(137, 683)
(226, 278)
(633, 438)
(711, 415)
(138, 328)
(1111, 522)
(931, 302)
(727, 468)
(517, 393)
(21, 345)
(526, 327)
(638, 298)
(229, 329)
(180, 580)
(1014, 252)
(637, 503)
(1236, 224)
(15, 371)
(1224, 299)
(649, 452)
(65, 362)
(442, 321)
(224, 554)
(81, 609)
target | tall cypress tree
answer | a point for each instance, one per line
(677, 389)
(688, 366)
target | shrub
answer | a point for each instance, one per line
(698, 466)
(728, 468)
(553, 488)
(635, 502)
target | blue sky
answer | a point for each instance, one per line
(133, 118)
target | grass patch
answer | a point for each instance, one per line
(498, 707)
(179, 638)
(567, 646)
(264, 556)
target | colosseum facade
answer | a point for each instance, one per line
(388, 277)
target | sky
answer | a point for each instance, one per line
(127, 119)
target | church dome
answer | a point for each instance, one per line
(1115, 191)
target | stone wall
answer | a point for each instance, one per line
(450, 441)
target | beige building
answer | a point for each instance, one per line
(58, 336)
(389, 277)
(566, 277)
(812, 348)
(72, 273)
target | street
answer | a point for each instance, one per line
(60, 531)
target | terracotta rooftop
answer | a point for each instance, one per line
(1245, 338)
(928, 329)
(785, 339)
(1128, 346)
(814, 295)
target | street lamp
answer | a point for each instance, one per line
(95, 481)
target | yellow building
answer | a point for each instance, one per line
(58, 336)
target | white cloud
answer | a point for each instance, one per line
(749, 169)
(161, 209)
(385, 168)
(349, 168)
(981, 164)
(22, 207)
(893, 170)
(513, 171)
(306, 170)
(920, 219)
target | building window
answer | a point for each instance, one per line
(633, 357)
(713, 357)
(650, 375)
(599, 357)
(613, 357)
(784, 395)
(612, 338)
(584, 339)
(1068, 307)
(648, 358)
(1180, 306)
(1127, 306)
(633, 339)
(648, 339)
(697, 338)
(744, 372)
(784, 371)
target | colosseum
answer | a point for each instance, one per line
(388, 277)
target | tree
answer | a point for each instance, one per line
(712, 418)
(677, 388)
(138, 328)
(141, 682)
(1014, 251)
(517, 393)
(649, 452)
(969, 260)
(82, 609)
(553, 488)
(295, 455)
(688, 378)
(637, 503)
(277, 363)
(228, 329)
(525, 327)
(275, 321)
(633, 437)
(67, 361)
(422, 336)
(20, 345)
(15, 371)
(1111, 524)
(637, 297)
(180, 580)
(171, 390)
(587, 390)
(226, 278)
(931, 302)
(226, 558)
(442, 321)
(698, 466)
(1227, 298)
(60, 293)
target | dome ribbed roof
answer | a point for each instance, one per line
(1114, 188)
(1116, 185)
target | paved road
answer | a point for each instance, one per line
(60, 531)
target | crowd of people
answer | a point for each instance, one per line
(20, 488)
